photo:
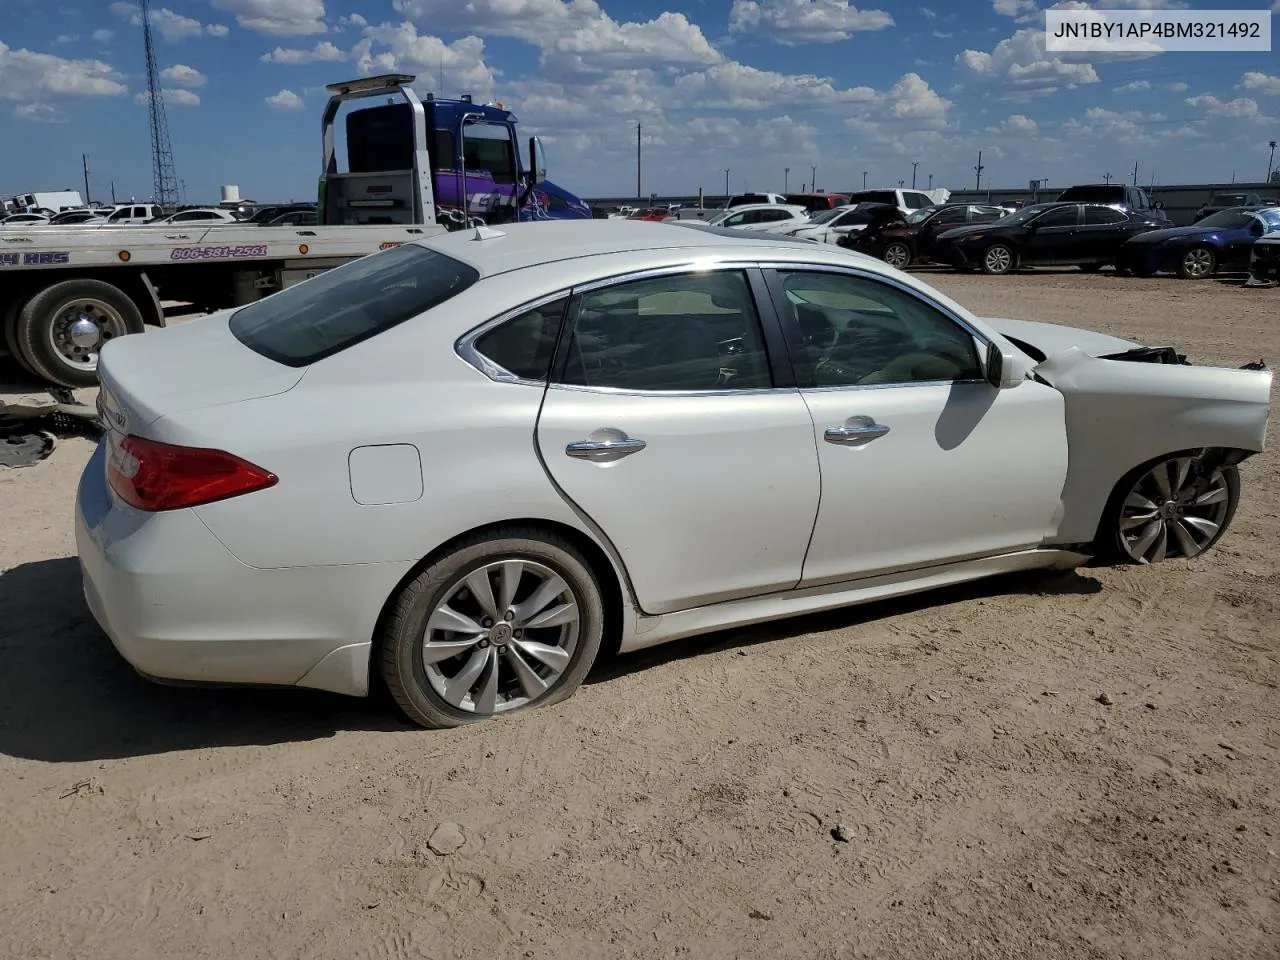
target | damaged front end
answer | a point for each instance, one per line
(1125, 409)
(1264, 263)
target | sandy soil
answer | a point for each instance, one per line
(683, 803)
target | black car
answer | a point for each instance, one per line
(905, 242)
(1087, 235)
(1225, 201)
(1118, 195)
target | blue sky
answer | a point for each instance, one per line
(752, 85)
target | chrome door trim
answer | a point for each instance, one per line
(858, 435)
(604, 449)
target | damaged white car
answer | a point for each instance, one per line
(472, 463)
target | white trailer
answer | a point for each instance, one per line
(64, 292)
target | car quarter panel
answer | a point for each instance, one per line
(1120, 415)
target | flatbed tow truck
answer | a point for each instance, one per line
(412, 169)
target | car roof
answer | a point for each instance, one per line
(518, 246)
(766, 206)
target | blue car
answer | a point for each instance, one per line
(1221, 241)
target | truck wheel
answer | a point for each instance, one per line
(61, 329)
(9, 336)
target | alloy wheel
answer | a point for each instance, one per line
(897, 255)
(998, 259)
(501, 637)
(1198, 263)
(1171, 511)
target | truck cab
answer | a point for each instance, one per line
(416, 161)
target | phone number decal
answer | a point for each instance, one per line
(217, 253)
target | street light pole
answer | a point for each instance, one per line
(726, 184)
(813, 180)
(864, 179)
(914, 164)
(638, 160)
(931, 181)
(786, 179)
(1271, 161)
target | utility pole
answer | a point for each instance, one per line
(978, 170)
(113, 193)
(900, 183)
(84, 157)
(1135, 173)
(931, 181)
(637, 160)
(914, 164)
(786, 178)
(726, 183)
(1106, 178)
(864, 179)
(1271, 161)
(813, 179)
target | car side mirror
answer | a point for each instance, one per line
(1003, 370)
(537, 161)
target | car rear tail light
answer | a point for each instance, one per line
(155, 476)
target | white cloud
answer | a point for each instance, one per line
(171, 26)
(324, 52)
(1020, 123)
(172, 98)
(102, 36)
(605, 44)
(1263, 83)
(1013, 8)
(736, 86)
(26, 75)
(1134, 86)
(217, 30)
(64, 38)
(1177, 87)
(183, 75)
(285, 100)
(941, 35)
(462, 62)
(39, 113)
(278, 18)
(911, 98)
(928, 13)
(804, 21)
(1241, 108)
(1020, 64)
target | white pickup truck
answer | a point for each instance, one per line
(64, 292)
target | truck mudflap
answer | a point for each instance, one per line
(1122, 414)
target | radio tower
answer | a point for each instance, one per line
(165, 178)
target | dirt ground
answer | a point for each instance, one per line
(683, 803)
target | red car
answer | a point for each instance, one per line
(653, 214)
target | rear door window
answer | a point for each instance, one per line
(351, 303)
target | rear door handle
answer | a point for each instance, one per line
(855, 435)
(604, 449)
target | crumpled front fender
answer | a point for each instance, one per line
(1120, 415)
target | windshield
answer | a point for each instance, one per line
(923, 214)
(1026, 213)
(1226, 218)
(343, 306)
(826, 216)
(1271, 217)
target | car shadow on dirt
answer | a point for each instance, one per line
(1031, 583)
(67, 696)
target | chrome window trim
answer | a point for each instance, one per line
(465, 346)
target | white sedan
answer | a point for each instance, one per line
(768, 217)
(830, 226)
(472, 463)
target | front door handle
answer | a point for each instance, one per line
(855, 434)
(604, 449)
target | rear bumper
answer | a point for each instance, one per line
(1264, 265)
(178, 606)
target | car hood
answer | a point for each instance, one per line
(1051, 338)
(1174, 233)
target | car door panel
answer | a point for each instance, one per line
(1049, 242)
(713, 492)
(922, 472)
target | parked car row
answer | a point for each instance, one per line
(1088, 235)
(133, 214)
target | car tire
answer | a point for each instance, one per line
(997, 259)
(897, 254)
(1119, 538)
(54, 354)
(448, 675)
(1198, 263)
(9, 336)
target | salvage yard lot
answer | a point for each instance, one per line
(683, 803)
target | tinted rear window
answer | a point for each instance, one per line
(1102, 194)
(351, 303)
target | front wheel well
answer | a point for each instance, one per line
(601, 567)
(1212, 456)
